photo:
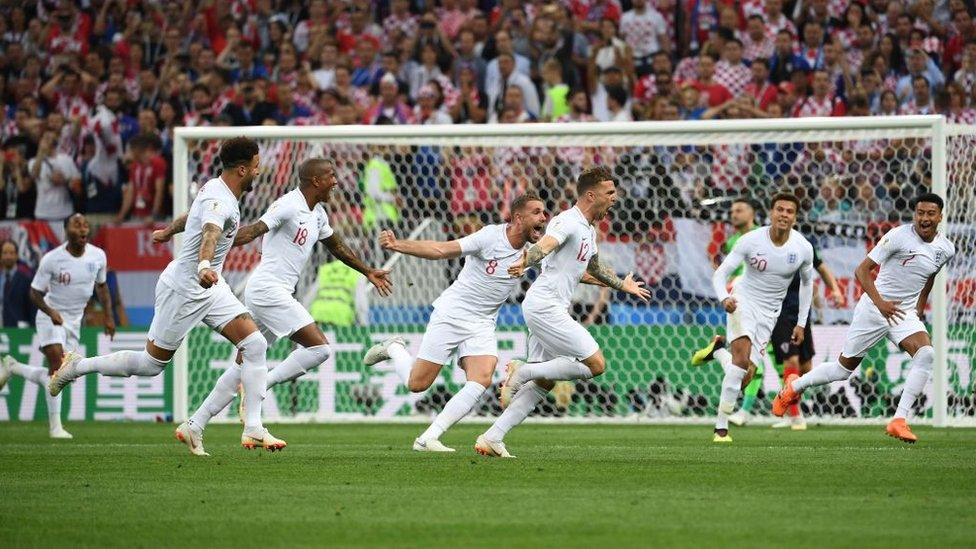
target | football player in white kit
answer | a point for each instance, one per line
(463, 321)
(190, 291)
(291, 227)
(559, 347)
(772, 256)
(60, 290)
(892, 305)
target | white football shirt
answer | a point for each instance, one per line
(68, 280)
(563, 268)
(293, 230)
(214, 204)
(769, 270)
(483, 284)
(907, 262)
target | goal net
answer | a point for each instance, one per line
(854, 176)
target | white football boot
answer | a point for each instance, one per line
(434, 445)
(381, 351)
(5, 370)
(60, 433)
(65, 374)
(263, 439)
(739, 418)
(491, 448)
(193, 441)
(511, 385)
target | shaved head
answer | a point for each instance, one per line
(313, 167)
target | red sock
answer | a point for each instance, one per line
(794, 410)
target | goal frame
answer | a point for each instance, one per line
(647, 133)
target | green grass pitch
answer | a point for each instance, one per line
(133, 485)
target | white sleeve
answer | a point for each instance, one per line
(102, 275)
(806, 288)
(325, 230)
(42, 278)
(476, 241)
(275, 216)
(731, 262)
(70, 167)
(885, 247)
(559, 229)
(213, 212)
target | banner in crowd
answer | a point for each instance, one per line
(647, 374)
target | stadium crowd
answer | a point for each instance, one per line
(92, 89)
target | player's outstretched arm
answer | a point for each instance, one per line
(605, 274)
(425, 249)
(888, 309)
(377, 277)
(588, 279)
(248, 233)
(37, 298)
(176, 227)
(101, 291)
(536, 253)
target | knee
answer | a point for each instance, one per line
(253, 347)
(320, 352)
(924, 358)
(481, 376)
(150, 366)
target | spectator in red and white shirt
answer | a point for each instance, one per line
(966, 75)
(756, 42)
(713, 93)
(644, 30)
(400, 22)
(864, 45)
(775, 20)
(730, 71)
(65, 94)
(316, 23)
(426, 111)
(760, 89)
(388, 108)
(142, 196)
(956, 110)
(201, 107)
(921, 101)
(821, 102)
(965, 34)
(68, 35)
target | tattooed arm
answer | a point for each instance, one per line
(377, 277)
(208, 246)
(536, 253)
(248, 233)
(605, 274)
(176, 227)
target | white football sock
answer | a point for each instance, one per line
(122, 364)
(53, 411)
(918, 376)
(36, 374)
(724, 357)
(39, 376)
(731, 386)
(456, 408)
(522, 404)
(301, 360)
(254, 378)
(402, 361)
(822, 374)
(559, 368)
(220, 396)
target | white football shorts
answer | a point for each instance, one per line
(446, 336)
(755, 324)
(868, 327)
(66, 335)
(175, 315)
(553, 333)
(277, 313)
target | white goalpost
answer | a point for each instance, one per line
(855, 178)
